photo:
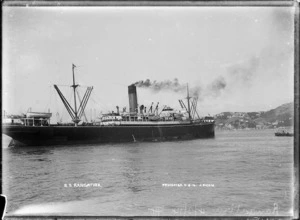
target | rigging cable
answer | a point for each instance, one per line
(80, 105)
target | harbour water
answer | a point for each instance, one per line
(243, 172)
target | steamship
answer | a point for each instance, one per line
(137, 124)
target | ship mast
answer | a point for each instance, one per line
(75, 113)
(76, 120)
(188, 102)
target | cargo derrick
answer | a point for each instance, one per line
(75, 113)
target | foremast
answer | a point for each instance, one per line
(75, 113)
(76, 120)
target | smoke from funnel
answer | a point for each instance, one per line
(167, 85)
(214, 89)
(245, 71)
(217, 86)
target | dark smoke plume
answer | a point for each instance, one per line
(156, 86)
(214, 89)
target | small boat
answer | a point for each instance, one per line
(282, 133)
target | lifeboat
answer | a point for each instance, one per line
(38, 115)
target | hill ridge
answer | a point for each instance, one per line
(280, 116)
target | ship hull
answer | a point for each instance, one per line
(70, 135)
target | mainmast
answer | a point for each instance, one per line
(188, 102)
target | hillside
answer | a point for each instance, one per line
(279, 117)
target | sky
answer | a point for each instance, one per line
(232, 58)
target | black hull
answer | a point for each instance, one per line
(69, 135)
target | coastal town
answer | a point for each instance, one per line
(281, 116)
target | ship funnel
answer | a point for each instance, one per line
(132, 99)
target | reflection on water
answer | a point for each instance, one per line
(131, 168)
(236, 172)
